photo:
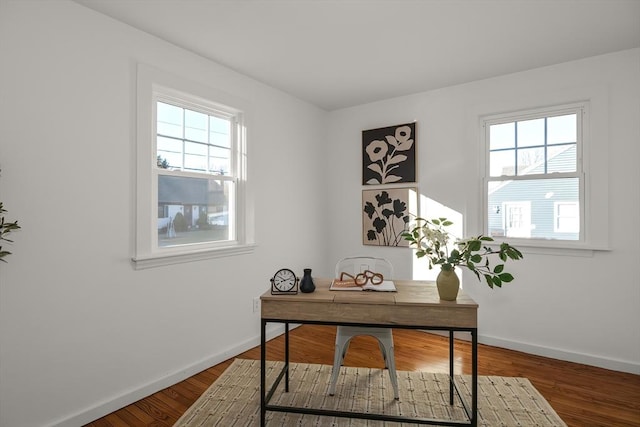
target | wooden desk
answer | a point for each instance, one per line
(416, 305)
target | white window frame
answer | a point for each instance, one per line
(582, 153)
(512, 99)
(154, 85)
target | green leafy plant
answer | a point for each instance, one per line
(433, 241)
(5, 228)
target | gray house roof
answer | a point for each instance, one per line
(190, 191)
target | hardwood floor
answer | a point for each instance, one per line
(582, 395)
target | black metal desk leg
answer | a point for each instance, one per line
(263, 366)
(451, 370)
(286, 356)
(474, 377)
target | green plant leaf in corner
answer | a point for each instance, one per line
(506, 277)
(6, 228)
(496, 281)
(487, 278)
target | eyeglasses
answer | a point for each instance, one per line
(361, 279)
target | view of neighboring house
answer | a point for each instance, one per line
(546, 209)
(193, 205)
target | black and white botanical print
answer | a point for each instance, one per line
(389, 155)
(386, 214)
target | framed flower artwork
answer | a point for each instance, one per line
(389, 155)
(386, 214)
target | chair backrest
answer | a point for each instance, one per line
(355, 265)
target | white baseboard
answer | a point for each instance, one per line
(113, 404)
(553, 353)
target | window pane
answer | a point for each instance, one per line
(530, 161)
(502, 136)
(172, 159)
(220, 131)
(169, 120)
(220, 139)
(494, 185)
(562, 129)
(195, 126)
(193, 210)
(195, 162)
(561, 158)
(169, 144)
(219, 161)
(528, 208)
(530, 133)
(202, 144)
(195, 148)
(502, 163)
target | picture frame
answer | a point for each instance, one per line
(386, 213)
(389, 155)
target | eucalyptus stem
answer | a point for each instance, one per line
(432, 240)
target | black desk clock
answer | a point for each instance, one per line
(284, 282)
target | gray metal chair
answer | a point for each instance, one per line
(353, 266)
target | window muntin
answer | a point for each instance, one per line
(195, 174)
(193, 141)
(529, 147)
(534, 163)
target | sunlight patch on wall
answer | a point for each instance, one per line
(430, 208)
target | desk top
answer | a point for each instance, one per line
(416, 303)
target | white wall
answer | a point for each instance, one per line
(584, 308)
(79, 327)
(83, 333)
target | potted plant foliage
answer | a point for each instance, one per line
(5, 228)
(434, 242)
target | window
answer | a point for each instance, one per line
(191, 168)
(534, 179)
(195, 174)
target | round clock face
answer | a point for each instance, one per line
(284, 280)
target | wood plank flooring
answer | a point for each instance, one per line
(582, 395)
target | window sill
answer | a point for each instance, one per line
(552, 247)
(159, 260)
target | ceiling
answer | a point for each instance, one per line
(341, 53)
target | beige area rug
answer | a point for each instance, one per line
(234, 399)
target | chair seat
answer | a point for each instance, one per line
(344, 334)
